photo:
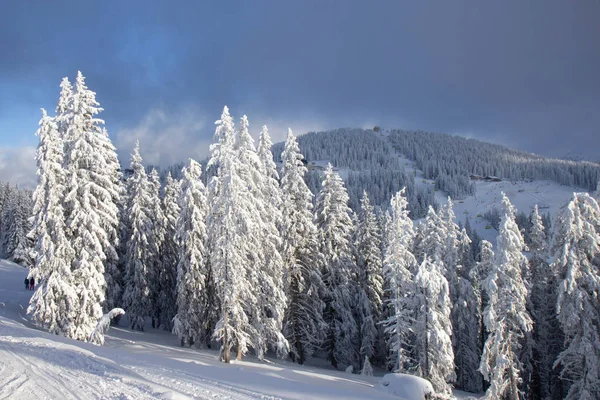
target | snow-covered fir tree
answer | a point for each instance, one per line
(91, 199)
(111, 181)
(304, 326)
(576, 249)
(506, 317)
(230, 227)
(265, 269)
(139, 258)
(332, 216)
(367, 246)
(157, 240)
(546, 331)
(399, 267)
(167, 304)
(466, 321)
(191, 324)
(54, 304)
(433, 329)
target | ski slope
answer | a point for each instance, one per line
(145, 365)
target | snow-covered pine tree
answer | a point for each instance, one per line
(111, 181)
(167, 298)
(54, 303)
(229, 227)
(265, 269)
(367, 246)
(332, 216)
(191, 324)
(399, 267)
(576, 249)
(506, 317)
(140, 256)
(91, 198)
(304, 326)
(466, 322)
(156, 244)
(547, 335)
(433, 329)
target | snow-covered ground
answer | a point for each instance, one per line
(143, 365)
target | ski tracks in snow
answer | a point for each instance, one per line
(30, 369)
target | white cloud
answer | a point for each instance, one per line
(167, 138)
(17, 166)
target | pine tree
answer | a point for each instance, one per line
(576, 250)
(191, 324)
(304, 326)
(506, 316)
(230, 228)
(54, 303)
(265, 269)
(139, 258)
(157, 240)
(167, 304)
(466, 320)
(90, 200)
(367, 245)
(272, 299)
(332, 216)
(399, 267)
(111, 181)
(546, 332)
(433, 327)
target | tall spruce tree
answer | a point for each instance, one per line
(433, 329)
(576, 251)
(506, 316)
(230, 228)
(90, 200)
(332, 216)
(546, 333)
(265, 269)
(156, 244)
(367, 245)
(54, 304)
(399, 268)
(304, 326)
(139, 259)
(167, 304)
(191, 324)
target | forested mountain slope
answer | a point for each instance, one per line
(372, 161)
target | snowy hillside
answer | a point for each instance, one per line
(136, 365)
(379, 163)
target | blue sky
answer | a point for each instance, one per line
(523, 74)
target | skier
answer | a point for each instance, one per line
(26, 283)
(31, 284)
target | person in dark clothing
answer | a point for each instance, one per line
(26, 283)
(31, 283)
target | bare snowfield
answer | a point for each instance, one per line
(145, 365)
